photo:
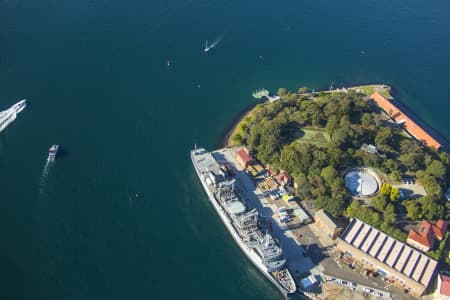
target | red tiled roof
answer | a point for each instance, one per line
(282, 178)
(412, 127)
(440, 229)
(244, 156)
(423, 240)
(424, 235)
(445, 285)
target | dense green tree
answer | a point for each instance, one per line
(237, 139)
(396, 176)
(383, 137)
(390, 165)
(393, 231)
(413, 209)
(329, 174)
(353, 208)
(282, 92)
(344, 121)
(379, 202)
(331, 124)
(340, 136)
(367, 159)
(412, 155)
(437, 169)
(389, 215)
(304, 191)
(375, 218)
(303, 89)
(300, 117)
(367, 119)
(335, 206)
(336, 157)
(430, 209)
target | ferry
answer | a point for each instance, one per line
(242, 223)
(52, 152)
(8, 116)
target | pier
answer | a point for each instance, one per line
(259, 94)
(263, 93)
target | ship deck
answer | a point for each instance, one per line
(297, 260)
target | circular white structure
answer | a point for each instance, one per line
(361, 183)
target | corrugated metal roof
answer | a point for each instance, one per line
(423, 262)
(412, 263)
(395, 254)
(361, 236)
(392, 253)
(401, 263)
(386, 249)
(370, 240)
(354, 230)
(426, 277)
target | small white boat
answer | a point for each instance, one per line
(52, 152)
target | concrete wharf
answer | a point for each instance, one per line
(299, 263)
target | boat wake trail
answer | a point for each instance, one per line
(44, 176)
(214, 44)
(217, 41)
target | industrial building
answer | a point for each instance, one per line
(326, 223)
(396, 262)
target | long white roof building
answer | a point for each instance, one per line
(390, 256)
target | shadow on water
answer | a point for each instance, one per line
(62, 152)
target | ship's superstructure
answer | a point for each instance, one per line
(53, 152)
(242, 223)
(8, 116)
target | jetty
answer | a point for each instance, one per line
(259, 94)
(263, 93)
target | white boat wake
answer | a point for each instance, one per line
(44, 176)
(214, 44)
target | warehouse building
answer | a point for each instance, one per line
(395, 261)
(327, 224)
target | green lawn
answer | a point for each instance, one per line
(313, 135)
(370, 89)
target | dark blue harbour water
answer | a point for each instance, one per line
(122, 215)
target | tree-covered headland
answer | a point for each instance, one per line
(316, 138)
